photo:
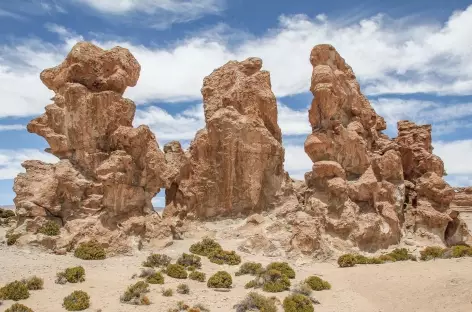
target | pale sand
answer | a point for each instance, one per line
(434, 286)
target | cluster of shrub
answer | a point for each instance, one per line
(402, 254)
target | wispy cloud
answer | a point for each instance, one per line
(14, 127)
(10, 161)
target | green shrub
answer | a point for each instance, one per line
(156, 278)
(256, 302)
(317, 284)
(282, 267)
(176, 271)
(386, 258)
(298, 303)
(375, 260)
(347, 260)
(188, 260)
(157, 260)
(34, 283)
(18, 308)
(146, 272)
(430, 253)
(183, 289)
(303, 289)
(206, 247)
(77, 301)
(71, 275)
(91, 250)
(50, 228)
(167, 292)
(12, 238)
(14, 291)
(135, 294)
(197, 276)
(251, 284)
(275, 281)
(220, 279)
(225, 257)
(191, 268)
(461, 251)
(360, 259)
(400, 254)
(251, 268)
(6, 213)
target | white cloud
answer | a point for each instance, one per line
(10, 161)
(445, 118)
(293, 122)
(297, 162)
(14, 127)
(158, 14)
(456, 156)
(387, 56)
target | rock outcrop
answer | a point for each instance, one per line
(236, 161)
(365, 188)
(108, 171)
(463, 197)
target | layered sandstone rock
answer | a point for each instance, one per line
(236, 161)
(463, 197)
(108, 170)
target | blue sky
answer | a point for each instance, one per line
(412, 58)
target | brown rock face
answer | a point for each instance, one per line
(108, 169)
(463, 197)
(236, 162)
(357, 187)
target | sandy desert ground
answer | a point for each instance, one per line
(434, 286)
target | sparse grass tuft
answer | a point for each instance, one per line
(298, 303)
(12, 238)
(220, 279)
(50, 228)
(256, 302)
(317, 284)
(225, 257)
(183, 289)
(90, 250)
(167, 292)
(251, 268)
(77, 301)
(206, 247)
(135, 294)
(347, 260)
(432, 252)
(14, 291)
(197, 276)
(156, 261)
(34, 283)
(18, 308)
(176, 271)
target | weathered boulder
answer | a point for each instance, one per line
(236, 162)
(108, 171)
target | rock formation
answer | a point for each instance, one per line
(108, 171)
(368, 189)
(236, 162)
(463, 197)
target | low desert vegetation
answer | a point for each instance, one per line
(12, 238)
(136, 294)
(249, 268)
(282, 267)
(303, 289)
(256, 302)
(50, 228)
(71, 275)
(157, 261)
(183, 289)
(167, 292)
(34, 283)
(6, 213)
(190, 262)
(317, 284)
(14, 291)
(270, 281)
(17, 307)
(206, 247)
(398, 254)
(90, 250)
(183, 307)
(146, 272)
(298, 303)
(176, 271)
(156, 278)
(432, 252)
(461, 251)
(225, 257)
(197, 276)
(220, 279)
(77, 301)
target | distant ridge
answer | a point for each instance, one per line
(10, 207)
